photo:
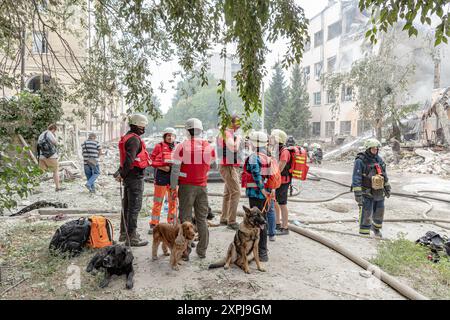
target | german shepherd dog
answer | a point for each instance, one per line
(244, 247)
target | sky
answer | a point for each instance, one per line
(163, 72)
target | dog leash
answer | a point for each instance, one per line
(125, 223)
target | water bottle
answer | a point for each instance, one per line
(166, 207)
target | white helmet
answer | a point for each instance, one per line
(169, 130)
(305, 145)
(193, 123)
(138, 120)
(258, 138)
(279, 135)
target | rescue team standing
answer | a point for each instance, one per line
(181, 174)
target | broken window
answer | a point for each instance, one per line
(306, 74)
(307, 46)
(329, 129)
(346, 128)
(318, 39)
(316, 129)
(39, 42)
(318, 70)
(334, 30)
(363, 126)
(317, 98)
(347, 93)
(331, 98)
(331, 63)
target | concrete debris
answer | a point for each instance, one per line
(365, 274)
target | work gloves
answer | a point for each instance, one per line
(387, 191)
(358, 198)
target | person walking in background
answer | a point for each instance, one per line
(228, 148)
(91, 151)
(48, 154)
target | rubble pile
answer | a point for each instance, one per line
(423, 161)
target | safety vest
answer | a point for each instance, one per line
(371, 168)
(299, 164)
(142, 159)
(269, 172)
(195, 155)
(227, 156)
(166, 155)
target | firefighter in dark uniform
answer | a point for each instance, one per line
(370, 185)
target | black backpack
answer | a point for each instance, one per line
(45, 147)
(71, 237)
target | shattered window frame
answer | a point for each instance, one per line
(331, 97)
(347, 93)
(334, 30)
(306, 73)
(363, 126)
(318, 38)
(331, 63)
(315, 128)
(40, 42)
(318, 70)
(345, 127)
(330, 127)
(317, 98)
(307, 46)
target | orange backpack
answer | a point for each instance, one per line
(274, 175)
(101, 232)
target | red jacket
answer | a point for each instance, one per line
(195, 156)
(142, 158)
(161, 155)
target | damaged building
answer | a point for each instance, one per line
(337, 36)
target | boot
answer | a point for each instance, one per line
(210, 214)
(376, 232)
(135, 240)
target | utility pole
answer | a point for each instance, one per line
(22, 59)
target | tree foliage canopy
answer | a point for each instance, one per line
(387, 13)
(294, 118)
(276, 98)
(129, 36)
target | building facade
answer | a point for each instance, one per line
(224, 68)
(337, 40)
(47, 58)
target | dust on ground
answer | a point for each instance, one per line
(298, 268)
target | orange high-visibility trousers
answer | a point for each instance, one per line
(158, 200)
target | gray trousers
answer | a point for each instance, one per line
(195, 197)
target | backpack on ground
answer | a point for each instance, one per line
(71, 237)
(101, 234)
(45, 147)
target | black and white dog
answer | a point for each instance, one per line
(116, 259)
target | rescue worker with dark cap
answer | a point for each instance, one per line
(134, 158)
(192, 160)
(370, 185)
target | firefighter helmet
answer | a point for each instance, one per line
(138, 120)
(169, 130)
(372, 143)
(258, 138)
(193, 123)
(279, 135)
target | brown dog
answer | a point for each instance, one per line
(176, 238)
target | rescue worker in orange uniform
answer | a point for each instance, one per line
(192, 160)
(161, 158)
(134, 158)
